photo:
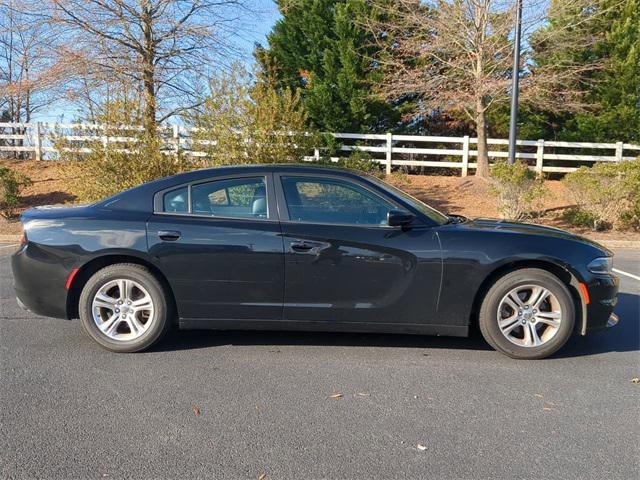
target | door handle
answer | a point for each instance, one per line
(301, 246)
(169, 235)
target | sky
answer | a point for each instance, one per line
(254, 30)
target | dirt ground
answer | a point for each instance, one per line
(462, 195)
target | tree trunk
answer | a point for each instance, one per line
(148, 71)
(482, 170)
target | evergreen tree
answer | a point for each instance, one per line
(611, 91)
(616, 90)
(320, 49)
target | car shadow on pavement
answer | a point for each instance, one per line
(194, 339)
(622, 338)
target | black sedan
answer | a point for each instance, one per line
(281, 247)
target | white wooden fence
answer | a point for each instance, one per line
(35, 140)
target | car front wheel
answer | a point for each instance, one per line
(124, 308)
(527, 314)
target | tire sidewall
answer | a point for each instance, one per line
(488, 314)
(153, 287)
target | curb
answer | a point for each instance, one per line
(625, 244)
(9, 238)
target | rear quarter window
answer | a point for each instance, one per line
(176, 201)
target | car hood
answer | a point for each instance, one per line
(528, 229)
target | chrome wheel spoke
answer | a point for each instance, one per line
(102, 300)
(531, 337)
(134, 325)
(538, 295)
(508, 324)
(144, 303)
(549, 318)
(111, 324)
(514, 300)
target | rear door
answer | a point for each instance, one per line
(219, 244)
(344, 264)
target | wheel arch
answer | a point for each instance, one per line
(87, 270)
(563, 273)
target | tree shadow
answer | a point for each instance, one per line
(48, 198)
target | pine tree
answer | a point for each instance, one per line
(319, 49)
(616, 92)
(611, 91)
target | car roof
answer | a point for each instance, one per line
(141, 197)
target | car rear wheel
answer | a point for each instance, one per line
(124, 308)
(527, 314)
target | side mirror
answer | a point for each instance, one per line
(399, 218)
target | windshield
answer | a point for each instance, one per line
(432, 213)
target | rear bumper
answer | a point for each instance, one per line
(39, 281)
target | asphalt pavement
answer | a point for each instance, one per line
(305, 405)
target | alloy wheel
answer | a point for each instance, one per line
(122, 309)
(529, 315)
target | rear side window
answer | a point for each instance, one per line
(237, 197)
(327, 200)
(176, 200)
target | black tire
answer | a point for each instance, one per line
(163, 309)
(488, 317)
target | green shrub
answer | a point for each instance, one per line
(518, 190)
(607, 192)
(358, 160)
(110, 167)
(11, 184)
(241, 122)
(578, 217)
(631, 171)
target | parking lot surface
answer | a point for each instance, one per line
(306, 405)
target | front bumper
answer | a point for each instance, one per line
(603, 296)
(613, 320)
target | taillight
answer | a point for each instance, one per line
(23, 235)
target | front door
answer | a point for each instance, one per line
(219, 244)
(344, 264)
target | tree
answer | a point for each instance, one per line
(613, 90)
(30, 74)
(319, 50)
(456, 55)
(133, 156)
(164, 46)
(243, 122)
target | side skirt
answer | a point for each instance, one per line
(406, 328)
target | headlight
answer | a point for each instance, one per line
(601, 265)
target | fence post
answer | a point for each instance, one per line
(38, 141)
(619, 149)
(540, 156)
(176, 139)
(316, 154)
(465, 155)
(389, 150)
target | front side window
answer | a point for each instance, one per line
(328, 200)
(237, 197)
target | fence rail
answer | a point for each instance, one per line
(36, 140)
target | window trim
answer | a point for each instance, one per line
(283, 209)
(272, 214)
